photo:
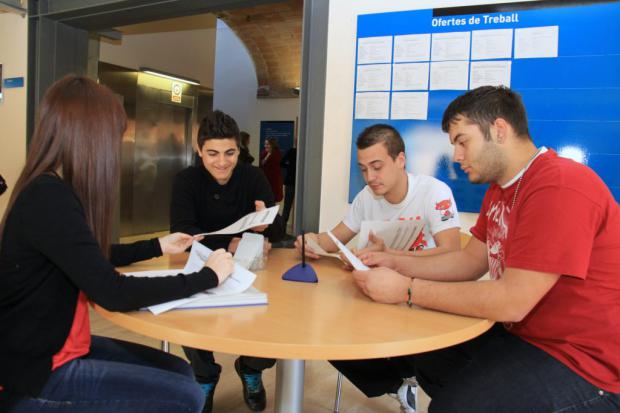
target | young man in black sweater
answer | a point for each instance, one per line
(209, 197)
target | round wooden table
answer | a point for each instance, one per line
(329, 320)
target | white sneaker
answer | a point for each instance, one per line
(407, 395)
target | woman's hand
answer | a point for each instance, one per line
(221, 262)
(177, 242)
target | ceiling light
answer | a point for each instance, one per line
(169, 76)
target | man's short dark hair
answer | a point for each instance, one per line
(382, 133)
(217, 125)
(483, 105)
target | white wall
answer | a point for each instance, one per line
(235, 88)
(14, 58)
(188, 53)
(339, 102)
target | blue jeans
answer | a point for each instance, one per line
(117, 376)
(496, 372)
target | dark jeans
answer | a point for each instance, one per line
(289, 197)
(119, 377)
(207, 370)
(496, 372)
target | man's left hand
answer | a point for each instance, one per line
(383, 285)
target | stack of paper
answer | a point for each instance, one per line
(236, 290)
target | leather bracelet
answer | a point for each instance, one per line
(410, 294)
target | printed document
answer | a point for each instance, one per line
(251, 220)
(398, 235)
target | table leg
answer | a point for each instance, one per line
(290, 386)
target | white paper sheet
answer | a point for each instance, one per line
(409, 105)
(239, 281)
(491, 44)
(250, 248)
(412, 48)
(374, 50)
(410, 76)
(536, 42)
(399, 235)
(491, 73)
(251, 220)
(373, 78)
(450, 46)
(372, 105)
(319, 250)
(449, 75)
(355, 262)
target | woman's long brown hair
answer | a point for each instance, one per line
(78, 133)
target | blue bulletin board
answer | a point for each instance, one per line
(562, 57)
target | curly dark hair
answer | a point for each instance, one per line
(218, 125)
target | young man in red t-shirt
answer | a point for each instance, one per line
(549, 235)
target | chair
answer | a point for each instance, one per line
(465, 237)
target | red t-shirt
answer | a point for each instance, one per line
(78, 341)
(564, 221)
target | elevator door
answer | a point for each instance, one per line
(160, 152)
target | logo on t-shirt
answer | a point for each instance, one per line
(444, 209)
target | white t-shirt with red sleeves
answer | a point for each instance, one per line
(428, 199)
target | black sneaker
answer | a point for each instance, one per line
(209, 389)
(253, 390)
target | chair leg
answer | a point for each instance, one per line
(338, 393)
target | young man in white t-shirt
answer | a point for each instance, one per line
(393, 194)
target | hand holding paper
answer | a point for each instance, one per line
(252, 220)
(221, 263)
(355, 262)
(398, 235)
(310, 242)
(260, 206)
(239, 281)
(177, 242)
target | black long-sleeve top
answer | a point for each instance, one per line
(200, 204)
(48, 255)
(289, 162)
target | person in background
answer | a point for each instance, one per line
(208, 197)
(244, 148)
(289, 163)
(270, 164)
(548, 233)
(56, 257)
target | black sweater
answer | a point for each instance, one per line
(48, 255)
(200, 204)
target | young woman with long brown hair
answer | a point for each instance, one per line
(56, 255)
